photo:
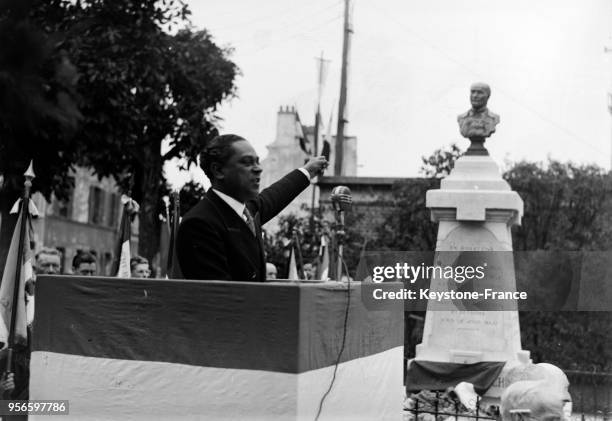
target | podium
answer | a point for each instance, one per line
(136, 349)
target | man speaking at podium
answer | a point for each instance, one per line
(220, 238)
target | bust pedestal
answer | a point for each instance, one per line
(475, 209)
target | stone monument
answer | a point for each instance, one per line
(475, 208)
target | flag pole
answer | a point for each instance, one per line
(174, 223)
(23, 212)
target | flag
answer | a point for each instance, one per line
(121, 267)
(293, 272)
(323, 269)
(328, 137)
(31, 208)
(8, 284)
(300, 134)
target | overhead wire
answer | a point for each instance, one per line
(276, 15)
(301, 33)
(301, 23)
(279, 17)
(571, 135)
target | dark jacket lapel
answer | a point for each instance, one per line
(238, 227)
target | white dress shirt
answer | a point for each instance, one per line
(232, 203)
(238, 206)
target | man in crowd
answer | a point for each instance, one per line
(271, 271)
(84, 264)
(220, 238)
(139, 267)
(310, 271)
(48, 261)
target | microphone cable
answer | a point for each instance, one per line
(343, 343)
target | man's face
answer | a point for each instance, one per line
(478, 96)
(240, 176)
(141, 270)
(85, 269)
(47, 264)
(309, 271)
(270, 271)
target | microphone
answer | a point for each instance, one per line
(341, 198)
(341, 201)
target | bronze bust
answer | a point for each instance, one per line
(478, 123)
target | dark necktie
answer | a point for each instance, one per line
(249, 221)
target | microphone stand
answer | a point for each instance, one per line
(341, 201)
(340, 234)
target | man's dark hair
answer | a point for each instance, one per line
(218, 150)
(137, 260)
(83, 257)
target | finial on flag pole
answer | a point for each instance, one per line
(29, 174)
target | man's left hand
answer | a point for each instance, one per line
(315, 166)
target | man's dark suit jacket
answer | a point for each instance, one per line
(213, 242)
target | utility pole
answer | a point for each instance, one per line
(342, 120)
(608, 50)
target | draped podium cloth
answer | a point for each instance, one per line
(434, 375)
(153, 349)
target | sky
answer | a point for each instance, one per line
(411, 65)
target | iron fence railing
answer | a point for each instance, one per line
(450, 410)
(591, 401)
(591, 395)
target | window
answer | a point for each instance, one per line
(113, 210)
(96, 205)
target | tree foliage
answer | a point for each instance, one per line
(441, 162)
(410, 227)
(566, 206)
(38, 112)
(189, 196)
(145, 77)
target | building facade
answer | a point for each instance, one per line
(285, 155)
(87, 221)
